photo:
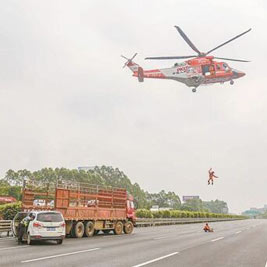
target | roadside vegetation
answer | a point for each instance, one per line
(8, 211)
(144, 213)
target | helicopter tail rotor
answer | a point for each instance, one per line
(129, 60)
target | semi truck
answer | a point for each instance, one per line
(87, 209)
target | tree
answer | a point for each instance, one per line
(217, 206)
(164, 200)
(16, 178)
(193, 205)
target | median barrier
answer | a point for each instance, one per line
(145, 222)
(5, 227)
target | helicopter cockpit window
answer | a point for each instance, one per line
(225, 66)
(218, 67)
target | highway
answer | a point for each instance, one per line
(238, 243)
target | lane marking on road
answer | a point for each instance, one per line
(158, 238)
(60, 255)
(3, 239)
(216, 239)
(266, 264)
(157, 259)
(13, 247)
(105, 236)
(238, 232)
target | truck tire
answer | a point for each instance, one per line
(89, 229)
(78, 230)
(60, 241)
(128, 227)
(118, 228)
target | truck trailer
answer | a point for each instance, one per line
(86, 208)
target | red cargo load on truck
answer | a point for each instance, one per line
(86, 208)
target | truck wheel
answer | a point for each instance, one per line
(59, 242)
(89, 229)
(128, 227)
(79, 229)
(118, 228)
(29, 241)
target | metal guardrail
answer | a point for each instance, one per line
(5, 227)
(145, 222)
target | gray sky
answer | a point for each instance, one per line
(65, 100)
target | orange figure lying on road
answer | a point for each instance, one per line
(211, 176)
(207, 228)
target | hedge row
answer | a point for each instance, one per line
(8, 211)
(143, 213)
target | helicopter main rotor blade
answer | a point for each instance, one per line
(171, 57)
(232, 59)
(239, 35)
(187, 40)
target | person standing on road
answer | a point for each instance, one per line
(23, 226)
(211, 176)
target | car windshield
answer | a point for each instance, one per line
(49, 217)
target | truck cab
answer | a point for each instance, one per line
(130, 208)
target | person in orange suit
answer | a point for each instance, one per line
(211, 176)
(207, 228)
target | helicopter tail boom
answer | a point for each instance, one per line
(135, 68)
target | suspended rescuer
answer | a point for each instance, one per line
(211, 176)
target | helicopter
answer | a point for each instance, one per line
(200, 69)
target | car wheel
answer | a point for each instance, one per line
(59, 242)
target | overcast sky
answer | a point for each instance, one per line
(65, 100)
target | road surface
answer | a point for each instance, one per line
(237, 243)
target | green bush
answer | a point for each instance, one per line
(175, 214)
(166, 214)
(8, 211)
(156, 214)
(144, 213)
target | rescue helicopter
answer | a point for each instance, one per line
(200, 69)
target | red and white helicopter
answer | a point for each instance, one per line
(200, 70)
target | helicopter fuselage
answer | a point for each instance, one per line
(194, 72)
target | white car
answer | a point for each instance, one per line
(46, 225)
